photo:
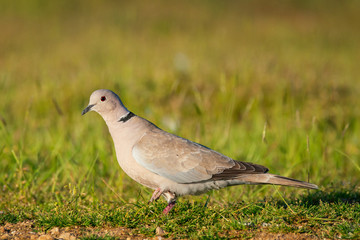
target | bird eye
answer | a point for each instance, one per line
(103, 98)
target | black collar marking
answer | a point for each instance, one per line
(127, 117)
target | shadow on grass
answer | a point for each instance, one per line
(337, 195)
(334, 196)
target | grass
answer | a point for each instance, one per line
(325, 215)
(271, 83)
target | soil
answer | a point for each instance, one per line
(27, 230)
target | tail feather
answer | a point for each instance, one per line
(268, 178)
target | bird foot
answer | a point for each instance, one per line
(157, 193)
(169, 207)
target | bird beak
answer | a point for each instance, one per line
(87, 109)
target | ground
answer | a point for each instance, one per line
(26, 230)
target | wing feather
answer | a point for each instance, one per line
(184, 161)
(178, 159)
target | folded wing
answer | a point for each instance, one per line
(184, 161)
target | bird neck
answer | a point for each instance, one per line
(114, 116)
(126, 117)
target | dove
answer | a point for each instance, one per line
(171, 165)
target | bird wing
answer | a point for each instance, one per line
(184, 161)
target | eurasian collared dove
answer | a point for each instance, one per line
(171, 165)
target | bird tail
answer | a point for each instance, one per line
(268, 178)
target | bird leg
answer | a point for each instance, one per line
(169, 207)
(157, 193)
(171, 199)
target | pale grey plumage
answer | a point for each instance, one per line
(172, 165)
(178, 159)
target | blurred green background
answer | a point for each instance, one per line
(272, 82)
